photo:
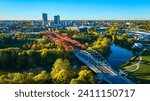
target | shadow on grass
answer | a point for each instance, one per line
(145, 62)
(139, 78)
(139, 81)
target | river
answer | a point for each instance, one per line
(118, 56)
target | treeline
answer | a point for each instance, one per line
(20, 40)
(121, 39)
(145, 26)
(25, 78)
(85, 38)
(102, 45)
(11, 58)
(62, 73)
(41, 43)
(4, 40)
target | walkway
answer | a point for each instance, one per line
(136, 64)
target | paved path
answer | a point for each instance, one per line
(137, 64)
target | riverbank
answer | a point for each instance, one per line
(118, 56)
(138, 68)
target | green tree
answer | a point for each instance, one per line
(62, 72)
(63, 77)
(16, 78)
(43, 77)
(4, 79)
(85, 77)
(22, 59)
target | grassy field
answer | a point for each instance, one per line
(142, 75)
(130, 68)
(132, 61)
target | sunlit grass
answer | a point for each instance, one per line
(142, 75)
(131, 68)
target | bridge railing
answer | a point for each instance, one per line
(98, 64)
(91, 59)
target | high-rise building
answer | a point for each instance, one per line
(57, 19)
(45, 20)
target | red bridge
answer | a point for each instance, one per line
(65, 41)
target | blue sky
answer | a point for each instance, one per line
(75, 9)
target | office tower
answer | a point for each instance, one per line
(57, 19)
(45, 20)
(32, 24)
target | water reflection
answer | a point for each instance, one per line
(118, 56)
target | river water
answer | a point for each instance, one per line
(118, 56)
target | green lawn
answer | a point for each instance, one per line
(132, 61)
(142, 75)
(130, 68)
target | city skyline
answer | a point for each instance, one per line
(75, 9)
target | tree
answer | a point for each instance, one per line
(85, 77)
(34, 47)
(60, 64)
(29, 78)
(22, 59)
(4, 40)
(62, 71)
(63, 77)
(8, 57)
(4, 57)
(45, 40)
(33, 58)
(123, 40)
(43, 77)
(102, 45)
(16, 78)
(4, 79)
(25, 78)
(75, 81)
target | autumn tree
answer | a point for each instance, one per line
(85, 77)
(62, 72)
(43, 77)
(102, 45)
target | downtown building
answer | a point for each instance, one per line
(45, 19)
(57, 20)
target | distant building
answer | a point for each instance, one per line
(57, 20)
(139, 35)
(72, 28)
(45, 19)
(101, 31)
(83, 30)
(137, 45)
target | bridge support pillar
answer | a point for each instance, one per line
(99, 79)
